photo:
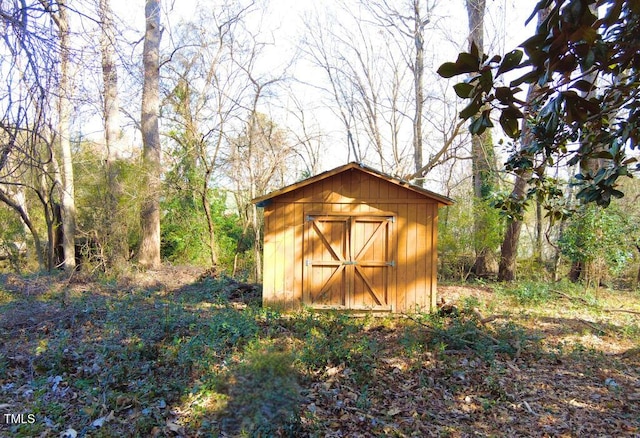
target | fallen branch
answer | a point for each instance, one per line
(593, 326)
(633, 312)
(582, 300)
(427, 326)
(484, 320)
(569, 297)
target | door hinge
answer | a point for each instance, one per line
(392, 263)
(309, 218)
(392, 219)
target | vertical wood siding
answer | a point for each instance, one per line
(412, 248)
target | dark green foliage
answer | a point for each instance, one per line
(603, 236)
(228, 327)
(332, 339)
(185, 233)
(106, 226)
(11, 234)
(463, 331)
(587, 71)
(457, 240)
(527, 292)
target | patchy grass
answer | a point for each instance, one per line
(156, 356)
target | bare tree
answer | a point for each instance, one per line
(308, 137)
(320, 46)
(409, 22)
(206, 101)
(115, 236)
(374, 55)
(36, 117)
(149, 253)
(260, 158)
(261, 155)
(60, 15)
(111, 101)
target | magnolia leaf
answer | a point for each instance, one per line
(463, 89)
(481, 123)
(495, 59)
(603, 154)
(448, 70)
(474, 49)
(509, 124)
(583, 85)
(504, 95)
(617, 193)
(470, 110)
(466, 63)
(527, 78)
(511, 60)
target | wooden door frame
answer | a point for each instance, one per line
(352, 270)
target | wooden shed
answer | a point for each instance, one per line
(351, 238)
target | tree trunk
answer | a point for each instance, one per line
(149, 255)
(538, 244)
(116, 236)
(20, 208)
(482, 153)
(579, 269)
(638, 276)
(207, 211)
(257, 249)
(418, 74)
(67, 192)
(509, 247)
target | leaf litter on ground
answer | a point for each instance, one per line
(165, 357)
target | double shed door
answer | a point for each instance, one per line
(348, 261)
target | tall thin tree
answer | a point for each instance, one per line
(59, 14)
(482, 152)
(116, 239)
(149, 254)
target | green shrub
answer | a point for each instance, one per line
(458, 242)
(526, 292)
(108, 220)
(600, 237)
(230, 328)
(465, 332)
(184, 228)
(334, 338)
(11, 233)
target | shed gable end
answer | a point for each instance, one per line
(351, 186)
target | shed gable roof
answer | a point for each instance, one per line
(260, 201)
